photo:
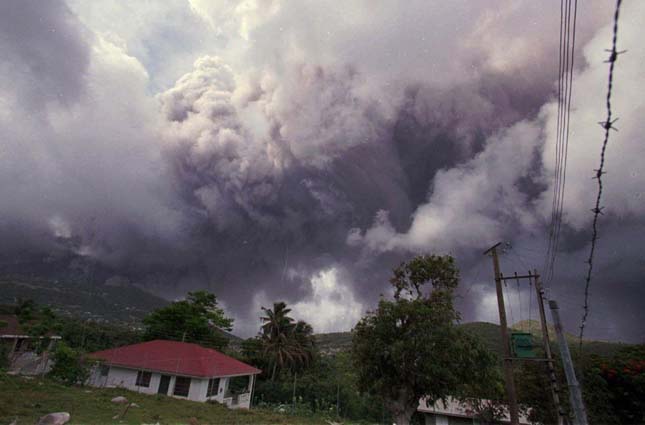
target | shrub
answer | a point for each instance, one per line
(68, 366)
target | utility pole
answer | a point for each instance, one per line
(555, 389)
(575, 395)
(508, 365)
(337, 400)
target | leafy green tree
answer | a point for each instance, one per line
(410, 348)
(303, 335)
(196, 319)
(68, 365)
(286, 344)
(614, 388)
(91, 336)
(26, 310)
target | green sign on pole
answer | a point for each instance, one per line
(522, 345)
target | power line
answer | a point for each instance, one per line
(557, 146)
(564, 152)
(607, 125)
(565, 90)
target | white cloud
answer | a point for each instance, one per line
(470, 204)
(331, 307)
(476, 203)
(625, 179)
(486, 309)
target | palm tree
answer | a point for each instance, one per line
(287, 344)
(303, 335)
(276, 336)
(276, 321)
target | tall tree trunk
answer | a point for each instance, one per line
(275, 365)
(403, 416)
(401, 410)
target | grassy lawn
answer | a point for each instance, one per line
(29, 399)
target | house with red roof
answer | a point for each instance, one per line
(176, 369)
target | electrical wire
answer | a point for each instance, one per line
(565, 91)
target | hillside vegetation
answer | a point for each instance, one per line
(489, 334)
(84, 300)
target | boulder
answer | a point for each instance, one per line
(134, 405)
(58, 418)
(120, 400)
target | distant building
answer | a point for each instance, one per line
(27, 354)
(454, 412)
(177, 369)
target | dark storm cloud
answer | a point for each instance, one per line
(310, 148)
(44, 49)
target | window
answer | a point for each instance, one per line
(238, 385)
(143, 378)
(105, 369)
(182, 385)
(213, 385)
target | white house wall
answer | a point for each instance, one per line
(127, 378)
(119, 377)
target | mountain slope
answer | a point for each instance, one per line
(489, 335)
(112, 302)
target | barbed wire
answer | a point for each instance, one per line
(607, 125)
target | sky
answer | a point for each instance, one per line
(299, 150)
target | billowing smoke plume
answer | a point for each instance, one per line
(298, 151)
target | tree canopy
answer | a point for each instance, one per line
(410, 347)
(196, 319)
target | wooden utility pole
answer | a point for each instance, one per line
(508, 365)
(575, 396)
(555, 388)
(338, 400)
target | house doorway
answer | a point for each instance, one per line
(164, 383)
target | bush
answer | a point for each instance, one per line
(68, 366)
(329, 382)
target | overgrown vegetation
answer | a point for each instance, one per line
(68, 367)
(28, 399)
(82, 335)
(196, 319)
(613, 387)
(328, 387)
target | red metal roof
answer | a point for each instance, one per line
(177, 358)
(9, 325)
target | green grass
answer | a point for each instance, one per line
(29, 399)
